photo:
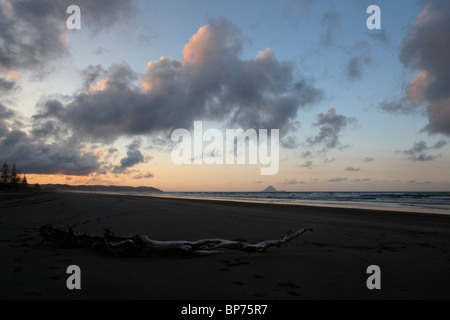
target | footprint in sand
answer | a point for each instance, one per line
(289, 285)
(292, 288)
(235, 263)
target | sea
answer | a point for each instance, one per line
(424, 202)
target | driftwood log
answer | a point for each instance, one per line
(141, 244)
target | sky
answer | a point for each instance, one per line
(357, 109)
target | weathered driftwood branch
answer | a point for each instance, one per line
(141, 244)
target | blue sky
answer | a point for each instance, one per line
(359, 81)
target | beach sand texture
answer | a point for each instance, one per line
(412, 250)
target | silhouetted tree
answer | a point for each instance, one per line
(24, 182)
(14, 178)
(5, 174)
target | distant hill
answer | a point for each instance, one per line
(98, 188)
(269, 189)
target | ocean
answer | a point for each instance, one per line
(425, 202)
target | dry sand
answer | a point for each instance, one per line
(412, 250)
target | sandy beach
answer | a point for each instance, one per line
(411, 249)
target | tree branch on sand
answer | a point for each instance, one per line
(142, 244)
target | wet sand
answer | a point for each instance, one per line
(412, 250)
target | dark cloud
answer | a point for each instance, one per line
(331, 124)
(330, 25)
(35, 156)
(368, 159)
(352, 169)
(90, 75)
(134, 157)
(210, 82)
(306, 154)
(426, 49)
(306, 164)
(401, 106)
(379, 35)
(6, 85)
(33, 33)
(6, 114)
(355, 66)
(289, 142)
(417, 152)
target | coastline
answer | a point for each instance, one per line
(386, 207)
(412, 250)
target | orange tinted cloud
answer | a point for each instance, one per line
(198, 49)
(418, 87)
(100, 86)
(13, 75)
(157, 72)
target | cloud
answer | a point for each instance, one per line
(307, 164)
(379, 35)
(417, 151)
(291, 182)
(352, 169)
(289, 142)
(426, 49)
(146, 175)
(35, 156)
(355, 66)
(33, 33)
(306, 154)
(134, 157)
(6, 115)
(330, 25)
(101, 15)
(368, 159)
(331, 124)
(100, 51)
(90, 75)
(6, 85)
(301, 7)
(338, 180)
(211, 81)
